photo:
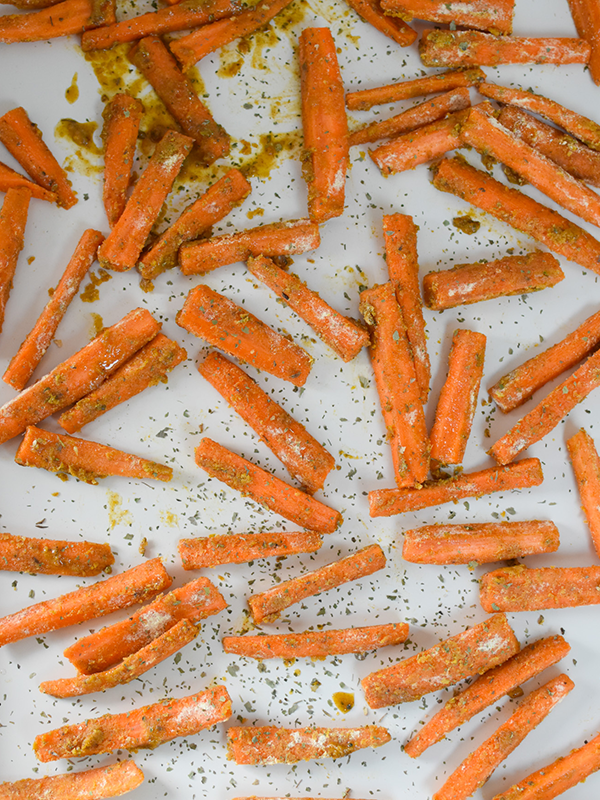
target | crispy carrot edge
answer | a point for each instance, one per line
(526, 589)
(396, 29)
(237, 548)
(115, 780)
(495, 17)
(13, 219)
(122, 116)
(53, 557)
(11, 179)
(586, 466)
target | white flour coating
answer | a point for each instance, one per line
(155, 622)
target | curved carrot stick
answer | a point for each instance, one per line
(372, 12)
(112, 781)
(484, 15)
(11, 179)
(122, 116)
(13, 219)
(524, 589)
(237, 548)
(365, 99)
(586, 466)
(51, 557)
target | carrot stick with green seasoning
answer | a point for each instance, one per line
(586, 466)
(11, 179)
(92, 784)
(122, 116)
(62, 19)
(238, 548)
(484, 15)
(586, 16)
(527, 589)
(13, 219)
(52, 557)
(396, 29)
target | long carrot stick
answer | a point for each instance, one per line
(264, 488)
(11, 179)
(586, 16)
(13, 219)
(122, 116)
(396, 29)
(237, 548)
(143, 727)
(468, 653)
(524, 589)
(31, 352)
(484, 15)
(92, 784)
(53, 557)
(586, 466)
(62, 19)
(267, 606)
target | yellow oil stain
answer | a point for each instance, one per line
(90, 294)
(72, 93)
(273, 148)
(256, 212)
(344, 701)
(116, 514)
(85, 158)
(97, 325)
(169, 518)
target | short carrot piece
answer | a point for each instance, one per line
(31, 352)
(273, 745)
(519, 475)
(479, 765)
(487, 690)
(149, 366)
(92, 784)
(305, 459)
(267, 606)
(526, 589)
(276, 239)
(238, 548)
(484, 15)
(11, 179)
(143, 727)
(586, 466)
(324, 124)
(473, 651)
(316, 644)
(62, 19)
(225, 325)
(90, 602)
(13, 219)
(265, 489)
(586, 16)
(396, 29)
(122, 116)
(344, 335)
(53, 557)
(458, 398)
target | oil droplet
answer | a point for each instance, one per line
(344, 701)
(72, 93)
(97, 324)
(116, 514)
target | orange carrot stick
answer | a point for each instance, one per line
(31, 352)
(27, 5)
(143, 727)
(324, 123)
(222, 323)
(237, 548)
(10, 179)
(90, 602)
(586, 16)
(468, 653)
(13, 219)
(273, 745)
(479, 765)
(122, 247)
(396, 29)
(122, 116)
(146, 368)
(276, 239)
(264, 488)
(305, 459)
(524, 589)
(458, 398)
(422, 114)
(487, 690)
(218, 200)
(92, 784)
(520, 475)
(484, 15)
(343, 334)
(586, 466)
(62, 19)
(317, 644)
(267, 606)
(104, 649)
(51, 557)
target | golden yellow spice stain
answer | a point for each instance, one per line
(273, 147)
(97, 325)
(85, 158)
(344, 701)
(31, 259)
(113, 70)
(90, 294)
(256, 212)
(116, 514)
(169, 518)
(72, 93)
(231, 63)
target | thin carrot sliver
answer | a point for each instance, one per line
(11, 179)
(13, 219)
(122, 116)
(486, 15)
(62, 19)
(528, 589)
(238, 548)
(396, 29)
(112, 781)
(586, 466)
(53, 557)
(586, 16)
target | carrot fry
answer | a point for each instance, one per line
(524, 589)
(222, 323)
(276, 239)
(51, 557)
(264, 488)
(305, 459)
(79, 374)
(344, 335)
(111, 594)
(143, 727)
(316, 644)
(31, 352)
(160, 69)
(422, 114)
(487, 690)
(518, 210)
(62, 19)
(122, 247)
(273, 745)
(218, 200)
(146, 368)
(586, 16)
(520, 475)
(484, 15)
(267, 606)
(122, 116)
(92, 784)
(104, 649)
(458, 398)
(586, 466)
(10, 179)
(396, 29)
(468, 653)
(13, 219)
(397, 386)
(324, 124)
(439, 48)
(479, 765)
(238, 548)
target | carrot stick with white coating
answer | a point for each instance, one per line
(238, 548)
(586, 466)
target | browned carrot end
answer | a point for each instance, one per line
(586, 466)
(527, 589)
(397, 29)
(237, 548)
(52, 557)
(495, 17)
(13, 219)
(122, 116)
(115, 780)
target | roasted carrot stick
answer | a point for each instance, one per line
(484, 15)
(267, 606)
(305, 459)
(518, 210)
(146, 368)
(51, 557)
(276, 239)
(422, 114)
(586, 466)
(122, 247)
(324, 124)
(479, 765)
(520, 475)
(218, 200)
(222, 323)
(100, 651)
(10, 179)
(316, 644)
(488, 689)
(28, 5)
(111, 594)
(122, 116)
(264, 488)
(468, 653)
(93, 784)
(586, 16)
(342, 334)
(62, 19)
(143, 727)
(396, 29)
(273, 745)
(523, 589)
(237, 548)
(13, 219)
(31, 352)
